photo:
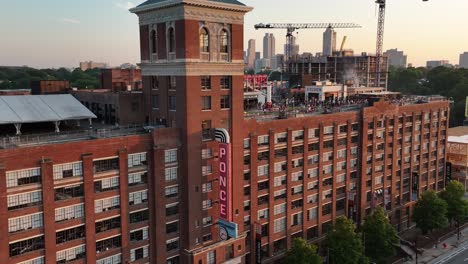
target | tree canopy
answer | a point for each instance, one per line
(302, 253)
(437, 81)
(344, 244)
(380, 237)
(430, 212)
(21, 77)
(457, 206)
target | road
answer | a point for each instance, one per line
(458, 256)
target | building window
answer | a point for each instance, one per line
(225, 102)
(139, 253)
(115, 259)
(24, 200)
(226, 82)
(23, 177)
(70, 234)
(137, 178)
(312, 214)
(224, 45)
(206, 204)
(106, 165)
(207, 221)
(171, 38)
(172, 103)
(211, 257)
(173, 260)
(138, 197)
(206, 102)
(67, 170)
(28, 245)
(107, 224)
(39, 260)
(204, 40)
(172, 227)
(206, 170)
(172, 209)
(71, 254)
(263, 140)
(279, 225)
(172, 191)
(108, 184)
(107, 244)
(153, 42)
(205, 82)
(135, 160)
(25, 222)
(263, 170)
(207, 187)
(171, 174)
(170, 156)
(206, 130)
(172, 244)
(139, 216)
(69, 212)
(279, 209)
(139, 235)
(107, 204)
(69, 192)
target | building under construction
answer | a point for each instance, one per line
(343, 68)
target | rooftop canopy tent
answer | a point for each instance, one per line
(18, 110)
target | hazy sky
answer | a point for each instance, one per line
(54, 33)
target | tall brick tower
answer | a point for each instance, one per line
(192, 67)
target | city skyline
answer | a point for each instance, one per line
(66, 33)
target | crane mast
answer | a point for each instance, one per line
(380, 40)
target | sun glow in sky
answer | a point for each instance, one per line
(53, 33)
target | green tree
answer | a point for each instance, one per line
(457, 206)
(302, 253)
(430, 212)
(344, 244)
(380, 237)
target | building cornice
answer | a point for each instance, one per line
(198, 3)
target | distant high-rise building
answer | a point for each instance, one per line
(258, 55)
(251, 54)
(437, 63)
(396, 58)
(269, 43)
(86, 65)
(294, 49)
(329, 41)
(464, 60)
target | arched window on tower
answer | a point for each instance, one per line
(224, 45)
(171, 37)
(204, 40)
(153, 39)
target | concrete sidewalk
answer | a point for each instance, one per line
(437, 255)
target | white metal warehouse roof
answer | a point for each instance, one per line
(41, 108)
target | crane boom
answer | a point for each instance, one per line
(291, 27)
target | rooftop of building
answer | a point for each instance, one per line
(293, 109)
(39, 134)
(232, 2)
(458, 135)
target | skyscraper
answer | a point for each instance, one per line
(464, 60)
(269, 46)
(396, 58)
(251, 54)
(329, 41)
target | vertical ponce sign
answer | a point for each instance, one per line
(222, 136)
(224, 181)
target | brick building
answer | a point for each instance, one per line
(122, 108)
(168, 195)
(50, 87)
(119, 80)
